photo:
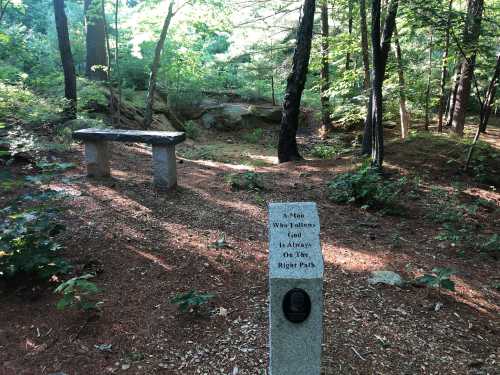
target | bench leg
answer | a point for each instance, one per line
(164, 167)
(97, 159)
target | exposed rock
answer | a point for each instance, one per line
(270, 114)
(386, 277)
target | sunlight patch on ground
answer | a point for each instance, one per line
(263, 158)
(153, 258)
(352, 260)
(474, 298)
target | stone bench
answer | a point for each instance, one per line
(97, 153)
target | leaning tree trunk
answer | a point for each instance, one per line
(485, 111)
(429, 81)
(470, 39)
(97, 55)
(148, 116)
(403, 113)
(381, 47)
(444, 69)
(66, 58)
(287, 146)
(325, 69)
(3, 8)
(490, 98)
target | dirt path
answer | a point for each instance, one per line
(150, 246)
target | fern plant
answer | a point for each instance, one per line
(77, 293)
(191, 300)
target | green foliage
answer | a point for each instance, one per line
(208, 152)
(191, 129)
(17, 102)
(7, 182)
(91, 96)
(10, 74)
(440, 277)
(245, 181)
(77, 293)
(191, 300)
(490, 245)
(28, 246)
(325, 151)
(368, 188)
(254, 136)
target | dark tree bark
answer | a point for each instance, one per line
(287, 146)
(155, 67)
(66, 58)
(403, 113)
(97, 56)
(348, 56)
(364, 43)
(117, 62)
(367, 133)
(444, 69)
(490, 98)
(381, 48)
(429, 81)
(325, 68)
(470, 39)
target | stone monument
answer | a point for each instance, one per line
(295, 289)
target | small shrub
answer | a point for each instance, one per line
(367, 187)
(490, 245)
(254, 136)
(191, 129)
(208, 152)
(28, 246)
(191, 300)
(325, 151)
(77, 293)
(245, 181)
(92, 96)
(440, 278)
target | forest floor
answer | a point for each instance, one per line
(146, 246)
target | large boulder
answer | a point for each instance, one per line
(271, 114)
(227, 117)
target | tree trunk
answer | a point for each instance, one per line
(287, 146)
(117, 61)
(112, 103)
(444, 69)
(453, 96)
(96, 41)
(325, 69)
(381, 47)
(348, 56)
(429, 81)
(403, 113)
(364, 43)
(490, 98)
(148, 116)
(66, 58)
(470, 39)
(367, 133)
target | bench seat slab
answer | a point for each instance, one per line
(121, 135)
(164, 167)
